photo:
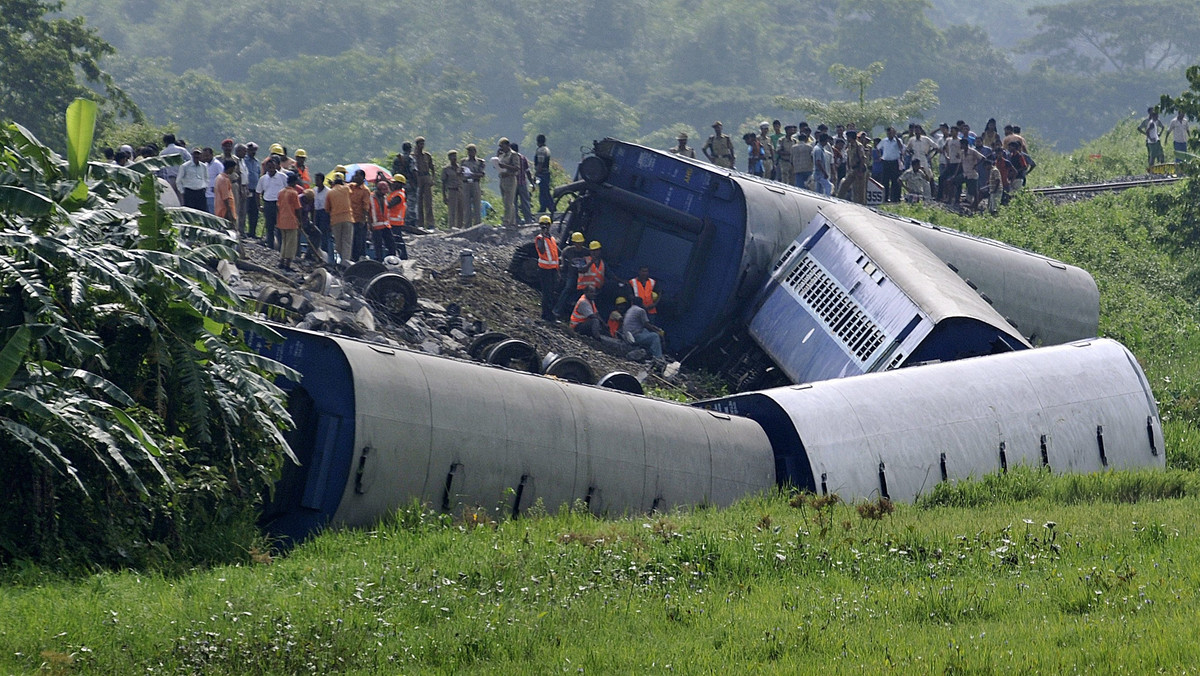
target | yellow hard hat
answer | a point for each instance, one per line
(545, 220)
(399, 178)
(594, 245)
(299, 152)
(577, 238)
(341, 168)
(276, 149)
(620, 299)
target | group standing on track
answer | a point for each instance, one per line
(1154, 130)
(842, 161)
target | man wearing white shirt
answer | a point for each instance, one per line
(1152, 127)
(192, 181)
(1178, 129)
(924, 147)
(269, 185)
(171, 174)
(891, 148)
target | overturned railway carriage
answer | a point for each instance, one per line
(865, 297)
(713, 236)
(377, 428)
(1080, 407)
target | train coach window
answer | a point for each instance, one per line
(663, 250)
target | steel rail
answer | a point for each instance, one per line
(1104, 187)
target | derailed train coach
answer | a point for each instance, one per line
(377, 428)
(1080, 407)
(714, 237)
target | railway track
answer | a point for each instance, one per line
(1111, 186)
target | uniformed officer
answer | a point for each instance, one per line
(764, 140)
(683, 149)
(783, 153)
(452, 193)
(472, 173)
(858, 166)
(510, 166)
(719, 148)
(425, 171)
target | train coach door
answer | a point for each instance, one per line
(303, 495)
(316, 487)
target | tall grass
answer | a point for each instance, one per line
(770, 584)
(1120, 152)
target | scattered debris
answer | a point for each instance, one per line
(424, 304)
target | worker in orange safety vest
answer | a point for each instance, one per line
(397, 208)
(585, 319)
(593, 274)
(381, 228)
(547, 258)
(644, 287)
(615, 317)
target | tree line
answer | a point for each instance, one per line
(352, 84)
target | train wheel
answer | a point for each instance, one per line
(515, 354)
(571, 369)
(483, 343)
(393, 294)
(622, 381)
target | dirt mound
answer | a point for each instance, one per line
(453, 310)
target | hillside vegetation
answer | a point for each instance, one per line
(351, 82)
(1022, 572)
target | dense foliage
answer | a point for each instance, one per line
(47, 62)
(135, 427)
(348, 84)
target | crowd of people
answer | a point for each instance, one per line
(990, 166)
(344, 216)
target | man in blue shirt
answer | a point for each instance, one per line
(249, 224)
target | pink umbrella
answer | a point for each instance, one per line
(373, 171)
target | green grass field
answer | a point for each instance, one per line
(1035, 585)
(1022, 573)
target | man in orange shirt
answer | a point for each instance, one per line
(397, 214)
(288, 222)
(224, 202)
(360, 201)
(341, 217)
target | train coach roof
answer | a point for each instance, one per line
(915, 270)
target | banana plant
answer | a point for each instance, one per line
(120, 343)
